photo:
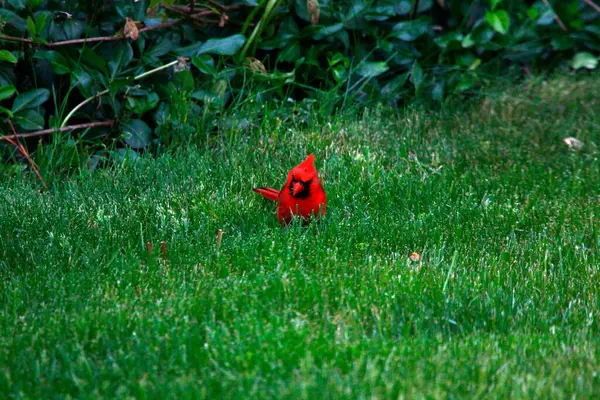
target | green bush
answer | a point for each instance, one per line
(149, 74)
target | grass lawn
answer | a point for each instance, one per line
(505, 301)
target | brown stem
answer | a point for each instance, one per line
(89, 40)
(163, 25)
(556, 17)
(185, 11)
(217, 5)
(15, 142)
(15, 39)
(593, 5)
(44, 132)
(200, 21)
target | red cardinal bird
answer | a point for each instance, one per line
(301, 195)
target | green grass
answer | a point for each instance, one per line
(505, 302)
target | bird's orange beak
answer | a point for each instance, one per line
(297, 188)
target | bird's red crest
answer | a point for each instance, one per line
(309, 162)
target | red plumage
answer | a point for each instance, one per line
(301, 195)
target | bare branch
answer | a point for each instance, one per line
(593, 5)
(556, 17)
(89, 40)
(15, 39)
(45, 132)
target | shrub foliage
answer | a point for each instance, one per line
(150, 73)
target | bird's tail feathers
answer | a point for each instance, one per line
(269, 193)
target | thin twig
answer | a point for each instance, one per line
(15, 39)
(219, 6)
(89, 40)
(593, 5)
(556, 17)
(15, 142)
(185, 11)
(44, 132)
(102, 93)
(200, 21)
(83, 103)
(163, 25)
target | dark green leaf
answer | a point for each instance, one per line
(137, 133)
(450, 41)
(162, 47)
(482, 35)
(288, 28)
(340, 73)
(217, 94)
(416, 75)
(525, 52)
(302, 10)
(123, 53)
(189, 51)
(30, 99)
(291, 52)
(118, 84)
(466, 59)
(6, 111)
(355, 17)
(494, 3)
(438, 90)
(467, 41)
(94, 161)
(29, 120)
(59, 63)
(410, 30)
(371, 69)
(13, 19)
(467, 81)
(31, 26)
(7, 92)
(395, 84)
(82, 80)
(72, 29)
(381, 13)
(425, 5)
(562, 43)
(125, 154)
(40, 23)
(594, 30)
(162, 113)
(226, 46)
(403, 7)
(142, 103)
(584, 60)
(499, 20)
(34, 3)
(327, 31)
(92, 59)
(17, 4)
(339, 58)
(184, 80)
(6, 55)
(204, 63)
(546, 18)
